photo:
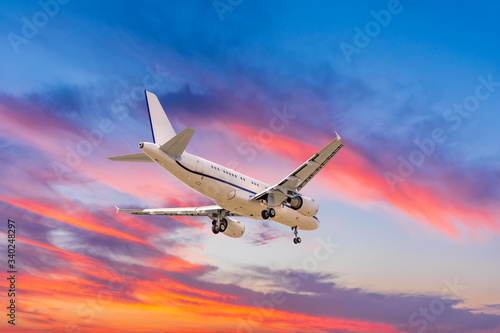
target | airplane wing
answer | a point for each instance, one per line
(295, 181)
(185, 211)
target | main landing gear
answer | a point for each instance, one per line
(297, 239)
(270, 213)
(219, 225)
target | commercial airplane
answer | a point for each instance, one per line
(233, 193)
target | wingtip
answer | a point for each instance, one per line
(338, 136)
(117, 209)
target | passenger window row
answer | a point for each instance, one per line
(231, 174)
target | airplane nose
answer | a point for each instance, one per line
(141, 145)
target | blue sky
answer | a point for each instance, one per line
(224, 77)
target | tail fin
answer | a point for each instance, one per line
(160, 125)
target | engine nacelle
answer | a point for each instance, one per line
(304, 205)
(234, 229)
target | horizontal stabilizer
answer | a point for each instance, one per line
(141, 157)
(176, 146)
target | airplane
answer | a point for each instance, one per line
(233, 193)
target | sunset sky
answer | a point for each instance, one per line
(409, 239)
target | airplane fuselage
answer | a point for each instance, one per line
(229, 189)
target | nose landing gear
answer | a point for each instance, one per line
(297, 239)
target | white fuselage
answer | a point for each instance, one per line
(229, 189)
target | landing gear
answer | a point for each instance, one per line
(223, 225)
(297, 239)
(270, 213)
(219, 225)
(215, 228)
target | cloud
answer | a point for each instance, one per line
(101, 270)
(316, 295)
(352, 174)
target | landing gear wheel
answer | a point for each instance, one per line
(272, 212)
(297, 239)
(223, 225)
(215, 229)
(265, 214)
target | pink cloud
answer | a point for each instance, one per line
(351, 174)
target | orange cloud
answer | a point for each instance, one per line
(351, 174)
(84, 220)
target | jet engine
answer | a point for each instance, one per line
(234, 228)
(304, 205)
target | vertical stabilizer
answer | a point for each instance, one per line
(160, 125)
